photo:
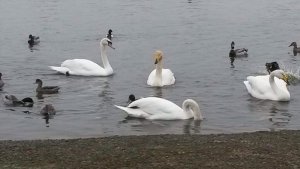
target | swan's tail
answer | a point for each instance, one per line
(122, 108)
(62, 70)
(132, 112)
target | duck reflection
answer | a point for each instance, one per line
(48, 112)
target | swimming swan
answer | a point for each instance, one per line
(159, 76)
(268, 87)
(84, 67)
(154, 108)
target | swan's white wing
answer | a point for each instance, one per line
(137, 113)
(62, 70)
(259, 87)
(151, 78)
(159, 109)
(81, 67)
(168, 77)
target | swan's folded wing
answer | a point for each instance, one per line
(133, 112)
(259, 84)
(151, 78)
(168, 77)
(62, 70)
(155, 105)
(83, 67)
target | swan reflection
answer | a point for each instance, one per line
(143, 126)
(276, 113)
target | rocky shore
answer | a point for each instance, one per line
(259, 150)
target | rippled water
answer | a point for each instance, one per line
(195, 37)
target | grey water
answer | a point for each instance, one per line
(195, 36)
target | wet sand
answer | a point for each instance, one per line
(246, 150)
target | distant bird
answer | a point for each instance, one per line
(46, 89)
(160, 77)
(12, 100)
(33, 40)
(232, 55)
(272, 66)
(239, 52)
(109, 35)
(1, 81)
(295, 49)
(48, 110)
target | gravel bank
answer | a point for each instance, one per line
(246, 150)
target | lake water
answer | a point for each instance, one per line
(195, 37)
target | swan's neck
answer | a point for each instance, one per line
(273, 84)
(105, 62)
(190, 107)
(158, 73)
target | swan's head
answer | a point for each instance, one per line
(30, 36)
(158, 55)
(190, 105)
(109, 31)
(293, 44)
(281, 75)
(106, 42)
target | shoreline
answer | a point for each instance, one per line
(262, 149)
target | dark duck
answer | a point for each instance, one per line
(238, 52)
(45, 89)
(272, 66)
(11, 100)
(295, 49)
(33, 40)
(109, 34)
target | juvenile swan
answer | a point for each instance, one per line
(269, 87)
(160, 77)
(84, 67)
(154, 108)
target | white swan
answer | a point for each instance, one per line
(84, 67)
(159, 76)
(269, 87)
(154, 108)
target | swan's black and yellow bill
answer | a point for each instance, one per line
(158, 56)
(286, 78)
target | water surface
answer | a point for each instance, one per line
(195, 37)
